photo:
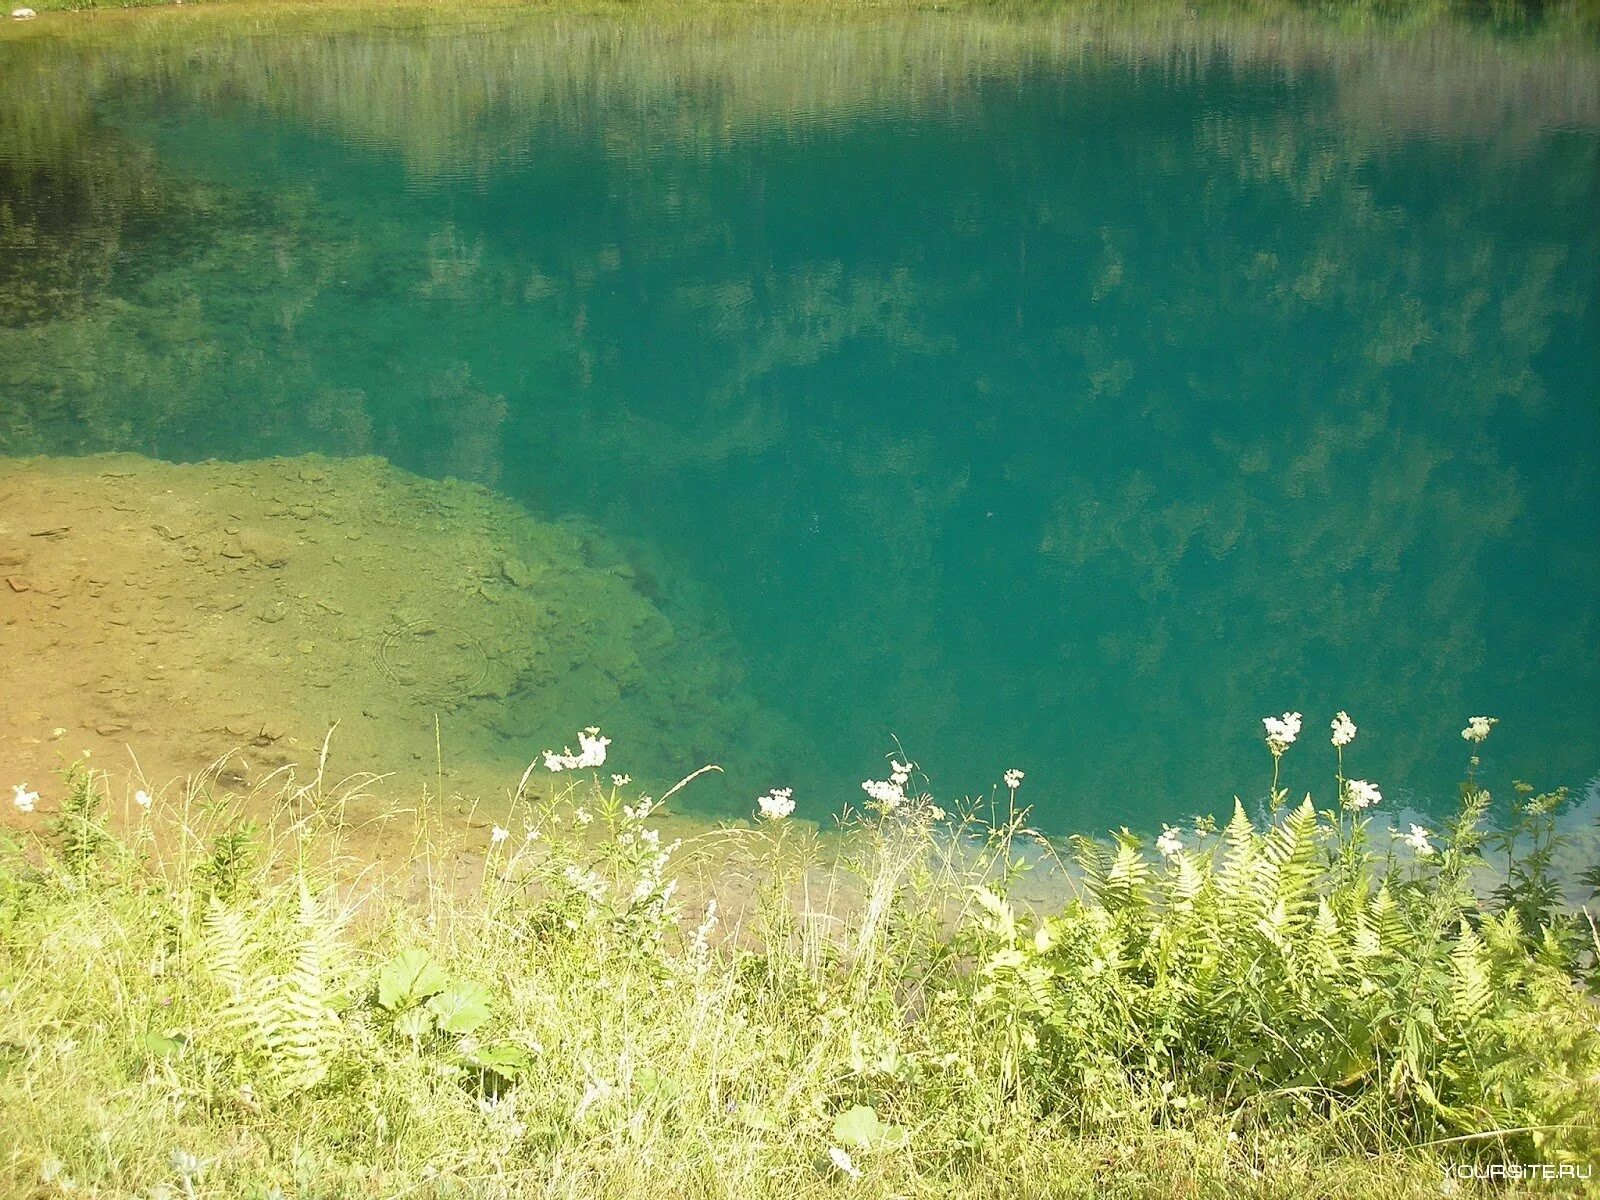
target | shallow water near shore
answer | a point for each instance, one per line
(1045, 396)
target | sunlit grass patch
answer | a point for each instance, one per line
(191, 1004)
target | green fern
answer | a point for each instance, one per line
(1473, 994)
(227, 952)
(281, 1021)
(304, 1028)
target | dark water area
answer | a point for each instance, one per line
(1041, 400)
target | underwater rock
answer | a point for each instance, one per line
(266, 549)
(411, 655)
(23, 14)
(517, 573)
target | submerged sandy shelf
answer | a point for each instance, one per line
(179, 612)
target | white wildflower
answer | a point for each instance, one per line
(1014, 779)
(621, 780)
(1359, 794)
(582, 816)
(594, 747)
(900, 772)
(1478, 728)
(1169, 843)
(23, 798)
(937, 813)
(777, 804)
(886, 792)
(1344, 729)
(841, 1160)
(1417, 839)
(587, 882)
(1281, 731)
(498, 834)
(143, 799)
(699, 942)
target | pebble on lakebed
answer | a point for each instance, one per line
(182, 609)
(23, 14)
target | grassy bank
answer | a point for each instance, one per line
(1576, 17)
(196, 1005)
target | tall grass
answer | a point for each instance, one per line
(192, 1004)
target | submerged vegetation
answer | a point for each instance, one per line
(192, 1006)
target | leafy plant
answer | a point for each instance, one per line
(233, 855)
(421, 1000)
(80, 826)
(280, 1016)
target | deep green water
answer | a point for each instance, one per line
(1042, 407)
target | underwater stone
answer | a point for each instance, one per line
(269, 551)
(517, 572)
(23, 14)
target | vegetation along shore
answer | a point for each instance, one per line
(198, 1003)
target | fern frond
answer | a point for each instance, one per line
(1240, 892)
(227, 951)
(1473, 992)
(304, 1027)
(1291, 848)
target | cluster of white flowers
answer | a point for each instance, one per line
(582, 816)
(143, 799)
(1344, 729)
(587, 882)
(621, 780)
(1281, 732)
(1169, 843)
(843, 1162)
(1417, 839)
(23, 798)
(593, 753)
(900, 772)
(650, 872)
(889, 794)
(699, 941)
(1359, 794)
(1014, 779)
(498, 834)
(777, 804)
(1478, 728)
(639, 811)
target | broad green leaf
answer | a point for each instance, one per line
(859, 1128)
(506, 1059)
(165, 1045)
(410, 978)
(461, 1007)
(414, 1023)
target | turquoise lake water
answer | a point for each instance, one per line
(1043, 401)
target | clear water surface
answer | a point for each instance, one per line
(1044, 399)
